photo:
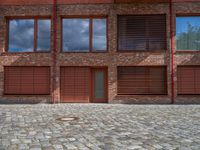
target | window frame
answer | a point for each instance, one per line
(90, 50)
(174, 39)
(35, 19)
(147, 50)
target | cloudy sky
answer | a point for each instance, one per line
(99, 34)
(76, 34)
(44, 35)
(21, 35)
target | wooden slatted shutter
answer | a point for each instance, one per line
(27, 80)
(75, 84)
(142, 32)
(188, 80)
(142, 80)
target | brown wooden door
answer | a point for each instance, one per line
(99, 85)
(75, 84)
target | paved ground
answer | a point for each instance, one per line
(106, 127)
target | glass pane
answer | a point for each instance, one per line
(99, 85)
(99, 34)
(21, 35)
(188, 33)
(76, 35)
(44, 35)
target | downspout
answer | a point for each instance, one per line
(54, 49)
(172, 51)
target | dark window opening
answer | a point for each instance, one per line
(142, 32)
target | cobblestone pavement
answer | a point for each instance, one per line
(100, 127)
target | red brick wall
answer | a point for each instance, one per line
(46, 2)
(111, 59)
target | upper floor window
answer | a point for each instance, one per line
(188, 33)
(141, 32)
(84, 34)
(29, 35)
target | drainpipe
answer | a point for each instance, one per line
(172, 51)
(54, 50)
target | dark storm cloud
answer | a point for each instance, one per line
(75, 34)
(21, 35)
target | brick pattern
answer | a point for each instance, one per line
(110, 59)
(99, 127)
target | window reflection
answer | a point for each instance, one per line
(44, 35)
(188, 33)
(99, 34)
(21, 35)
(76, 34)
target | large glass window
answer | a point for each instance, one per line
(76, 34)
(28, 35)
(21, 35)
(141, 32)
(188, 33)
(84, 34)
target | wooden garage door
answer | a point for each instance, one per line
(188, 78)
(27, 80)
(75, 84)
(142, 80)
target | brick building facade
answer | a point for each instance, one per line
(110, 60)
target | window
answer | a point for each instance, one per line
(27, 80)
(188, 33)
(142, 32)
(99, 34)
(29, 35)
(84, 34)
(142, 80)
(188, 80)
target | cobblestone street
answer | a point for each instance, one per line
(99, 127)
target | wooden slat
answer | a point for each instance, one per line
(142, 32)
(27, 80)
(144, 80)
(75, 84)
(188, 80)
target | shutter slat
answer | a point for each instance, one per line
(142, 80)
(145, 32)
(75, 84)
(27, 80)
(188, 80)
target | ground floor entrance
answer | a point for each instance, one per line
(83, 85)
